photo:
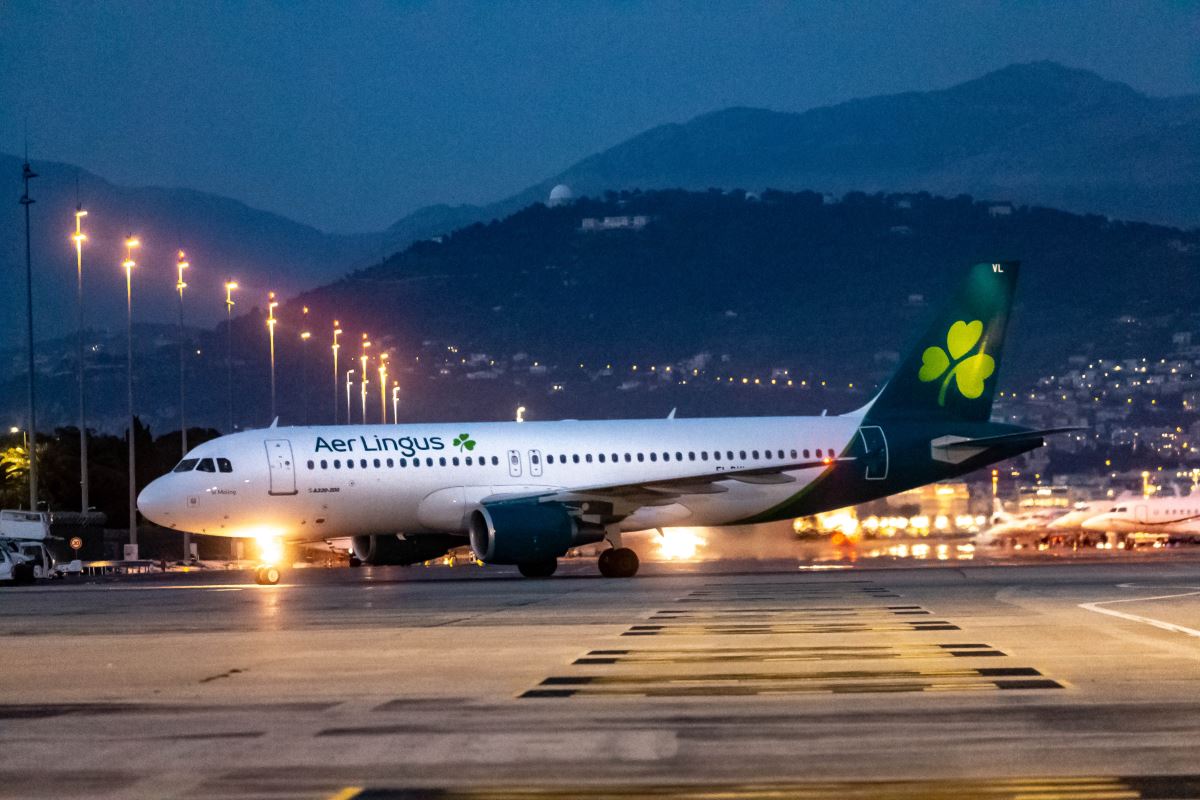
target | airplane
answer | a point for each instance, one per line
(1080, 513)
(1008, 526)
(525, 493)
(1157, 516)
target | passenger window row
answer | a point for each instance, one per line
(392, 463)
(575, 458)
(204, 465)
(692, 455)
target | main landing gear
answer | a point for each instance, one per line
(619, 562)
(266, 575)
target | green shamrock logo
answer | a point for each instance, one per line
(968, 373)
(464, 442)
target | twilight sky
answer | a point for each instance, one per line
(347, 115)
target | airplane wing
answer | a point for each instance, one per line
(622, 499)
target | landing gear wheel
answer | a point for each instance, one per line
(538, 569)
(620, 562)
(266, 576)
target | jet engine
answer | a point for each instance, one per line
(392, 550)
(526, 531)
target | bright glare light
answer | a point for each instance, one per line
(270, 549)
(680, 544)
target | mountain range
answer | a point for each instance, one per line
(1037, 133)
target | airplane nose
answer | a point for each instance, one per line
(153, 502)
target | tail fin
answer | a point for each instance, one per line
(951, 373)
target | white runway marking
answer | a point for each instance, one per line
(1157, 623)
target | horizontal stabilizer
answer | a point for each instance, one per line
(1008, 438)
(957, 449)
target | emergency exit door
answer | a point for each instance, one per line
(281, 466)
(514, 463)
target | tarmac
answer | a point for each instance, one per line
(737, 679)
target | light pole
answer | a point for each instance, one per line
(365, 381)
(271, 304)
(79, 238)
(337, 331)
(131, 244)
(395, 402)
(304, 337)
(349, 373)
(383, 357)
(180, 265)
(27, 174)
(230, 285)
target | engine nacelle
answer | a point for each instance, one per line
(522, 531)
(391, 550)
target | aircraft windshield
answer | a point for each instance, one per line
(187, 465)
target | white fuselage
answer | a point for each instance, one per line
(1149, 515)
(315, 483)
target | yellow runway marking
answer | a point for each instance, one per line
(348, 793)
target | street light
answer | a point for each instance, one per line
(230, 285)
(337, 331)
(131, 244)
(27, 173)
(364, 358)
(304, 337)
(395, 402)
(349, 373)
(181, 264)
(271, 305)
(79, 238)
(383, 357)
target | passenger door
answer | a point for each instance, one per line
(514, 463)
(282, 469)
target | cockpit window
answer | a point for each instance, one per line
(224, 465)
(206, 465)
(1121, 509)
(187, 465)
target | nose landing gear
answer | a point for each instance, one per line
(619, 562)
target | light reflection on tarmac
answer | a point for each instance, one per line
(745, 678)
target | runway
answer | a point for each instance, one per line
(739, 679)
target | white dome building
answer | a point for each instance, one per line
(560, 195)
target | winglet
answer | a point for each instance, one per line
(274, 423)
(672, 414)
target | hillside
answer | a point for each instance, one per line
(1037, 133)
(535, 309)
(1034, 133)
(222, 237)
